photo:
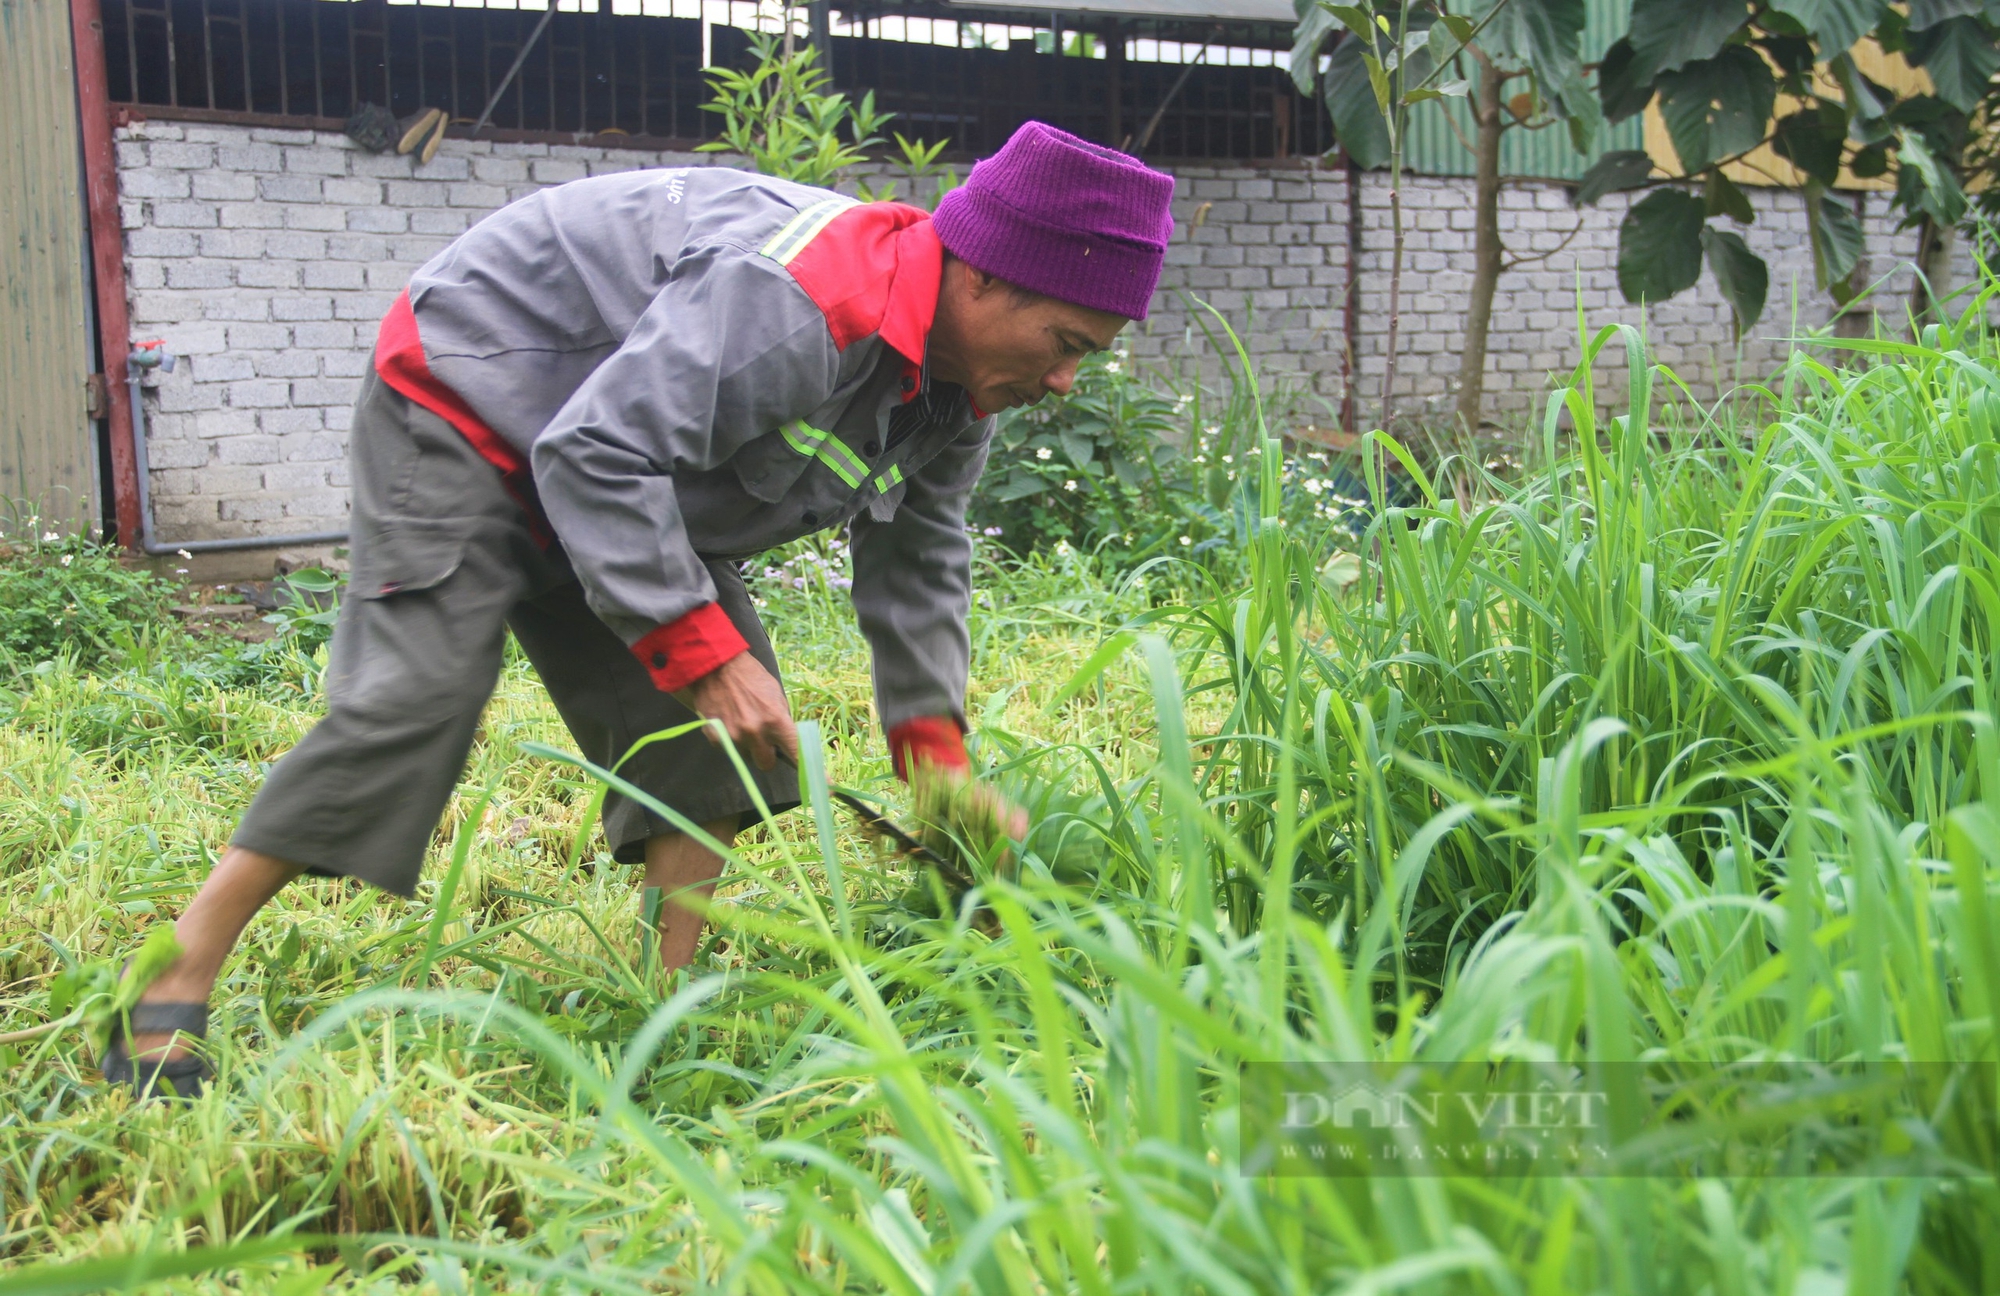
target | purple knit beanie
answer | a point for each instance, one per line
(1064, 218)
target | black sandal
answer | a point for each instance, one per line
(184, 1075)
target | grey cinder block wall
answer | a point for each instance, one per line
(1269, 250)
(266, 257)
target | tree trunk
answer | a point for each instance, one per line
(1350, 302)
(1857, 319)
(1395, 287)
(1934, 248)
(1486, 250)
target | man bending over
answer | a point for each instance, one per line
(583, 415)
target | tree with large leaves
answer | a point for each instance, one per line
(1718, 67)
(1386, 61)
(1519, 65)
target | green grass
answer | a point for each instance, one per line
(1680, 750)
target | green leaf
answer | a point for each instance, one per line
(1811, 141)
(1543, 36)
(1929, 13)
(1350, 100)
(1835, 24)
(1659, 246)
(1621, 88)
(1722, 198)
(1866, 101)
(1353, 17)
(1837, 238)
(1793, 55)
(1616, 170)
(1960, 58)
(1924, 184)
(1870, 162)
(1314, 26)
(1576, 104)
(1019, 486)
(1669, 34)
(124, 1272)
(1718, 107)
(1741, 274)
(1079, 445)
(1444, 46)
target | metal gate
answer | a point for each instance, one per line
(47, 460)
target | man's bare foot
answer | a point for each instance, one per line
(239, 886)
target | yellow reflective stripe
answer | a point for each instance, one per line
(835, 455)
(816, 218)
(839, 470)
(791, 227)
(830, 450)
(803, 437)
(894, 477)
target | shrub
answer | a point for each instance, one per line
(290, 661)
(70, 596)
(1097, 465)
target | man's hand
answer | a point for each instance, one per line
(951, 803)
(743, 696)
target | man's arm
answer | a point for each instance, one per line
(728, 350)
(912, 591)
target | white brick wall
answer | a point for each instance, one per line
(1271, 254)
(266, 257)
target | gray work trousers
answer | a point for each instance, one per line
(443, 565)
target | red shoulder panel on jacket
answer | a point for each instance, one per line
(874, 269)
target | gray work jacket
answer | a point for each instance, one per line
(709, 362)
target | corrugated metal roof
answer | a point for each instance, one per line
(1434, 148)
(1272, 11)
(45, 442)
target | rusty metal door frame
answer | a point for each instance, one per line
(107, 256)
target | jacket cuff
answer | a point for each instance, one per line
(928, 740)
(681, 652)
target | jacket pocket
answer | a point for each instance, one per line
(883, 507)
(769, 467)
(396, 555)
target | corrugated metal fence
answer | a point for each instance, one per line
(1435, 148)
(46, 460)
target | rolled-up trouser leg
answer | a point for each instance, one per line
(609, 703)
(440, 553)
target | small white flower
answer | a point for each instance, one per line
(1044, 453)
(67, 558)
(1070, 485)
(49, 537)
(1186, 540)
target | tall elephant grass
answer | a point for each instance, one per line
(1680, 751)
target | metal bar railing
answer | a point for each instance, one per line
(595, 71)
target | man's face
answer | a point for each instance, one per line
(1007, 351)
